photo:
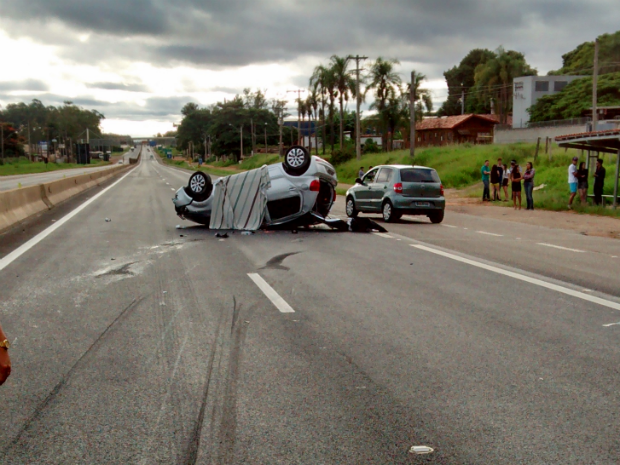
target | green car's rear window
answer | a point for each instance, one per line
(419, 175)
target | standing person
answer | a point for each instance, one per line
(5, 361)
(572, 181)
(360, 173)
(497, 174)
(582, 182)
(599, 182)
(515, 178)
(528, 184)
(486, 196)
(505, 179)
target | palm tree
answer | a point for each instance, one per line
(423, 101)
(345, 85)
(384, 81)
(323, 78)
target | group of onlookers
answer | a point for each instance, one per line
(500, 176)
(578, 182)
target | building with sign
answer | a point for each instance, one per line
(528, 89)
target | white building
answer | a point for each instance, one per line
(527, 91)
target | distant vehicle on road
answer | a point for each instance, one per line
(396, 190)
(302, 192)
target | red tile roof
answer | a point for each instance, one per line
(450, 122)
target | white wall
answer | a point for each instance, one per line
(509, 136)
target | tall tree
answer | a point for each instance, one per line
(313, 105)
(345, 84)
(385, 81)
(494, 79)
(319, 81)
(460, 79)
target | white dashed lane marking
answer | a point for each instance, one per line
(271, 294)
(490, 234)
(561, 248)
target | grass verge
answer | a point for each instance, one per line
(12, 167)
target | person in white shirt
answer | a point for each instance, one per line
(572, 181)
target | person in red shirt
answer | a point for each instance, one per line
(5, 360)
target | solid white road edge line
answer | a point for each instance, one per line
(521, 277)
(383, 235)
(490, 234)
(560, 247)
(22, 249)
(611, 324)
(271, 294)
(448, 226)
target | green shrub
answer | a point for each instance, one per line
(342, 156)
(370, 146)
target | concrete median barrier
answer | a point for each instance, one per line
(16, 205)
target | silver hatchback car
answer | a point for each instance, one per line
(396, 190)
(302, 192)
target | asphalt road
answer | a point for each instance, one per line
(136, 342)
(25, 180)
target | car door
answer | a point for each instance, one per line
(379, 188)
(363, 191)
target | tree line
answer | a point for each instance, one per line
(36, 122)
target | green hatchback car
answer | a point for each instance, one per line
(396, 190)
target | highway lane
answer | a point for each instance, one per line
(588, 261)
(136, 342)
(25, 180)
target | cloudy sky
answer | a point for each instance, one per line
(140, 61)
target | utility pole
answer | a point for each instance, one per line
(2, 138)
(595, 88)
(299, 91)
(265, 137)
(358, 145)
(280, 122)
(462, 98)
(412, 116)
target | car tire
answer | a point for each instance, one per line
(436, 217)
(296, 160)
(199, 187)
(387, 210)
(351, 211)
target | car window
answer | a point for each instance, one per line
(370, 176)
(419, 175)
(384, 175)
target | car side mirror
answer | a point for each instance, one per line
(358, 181)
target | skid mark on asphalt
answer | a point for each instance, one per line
(276, 262)
(40, 409)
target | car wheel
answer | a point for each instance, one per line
(350, 208)
(389, 214)
(199, 186)
(436, 217)
(297, 160)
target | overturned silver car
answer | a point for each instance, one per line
(300, 191)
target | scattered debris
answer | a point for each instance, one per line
(542, 186)
(107, 220)
(181, 235)
(294, 231)
(223, 236)
(247, 233)
(421, 450)
(165, 292)
(180, 227)
(113, 259)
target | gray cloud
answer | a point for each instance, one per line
(118, 86)
(26, 85)
(428, 35)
